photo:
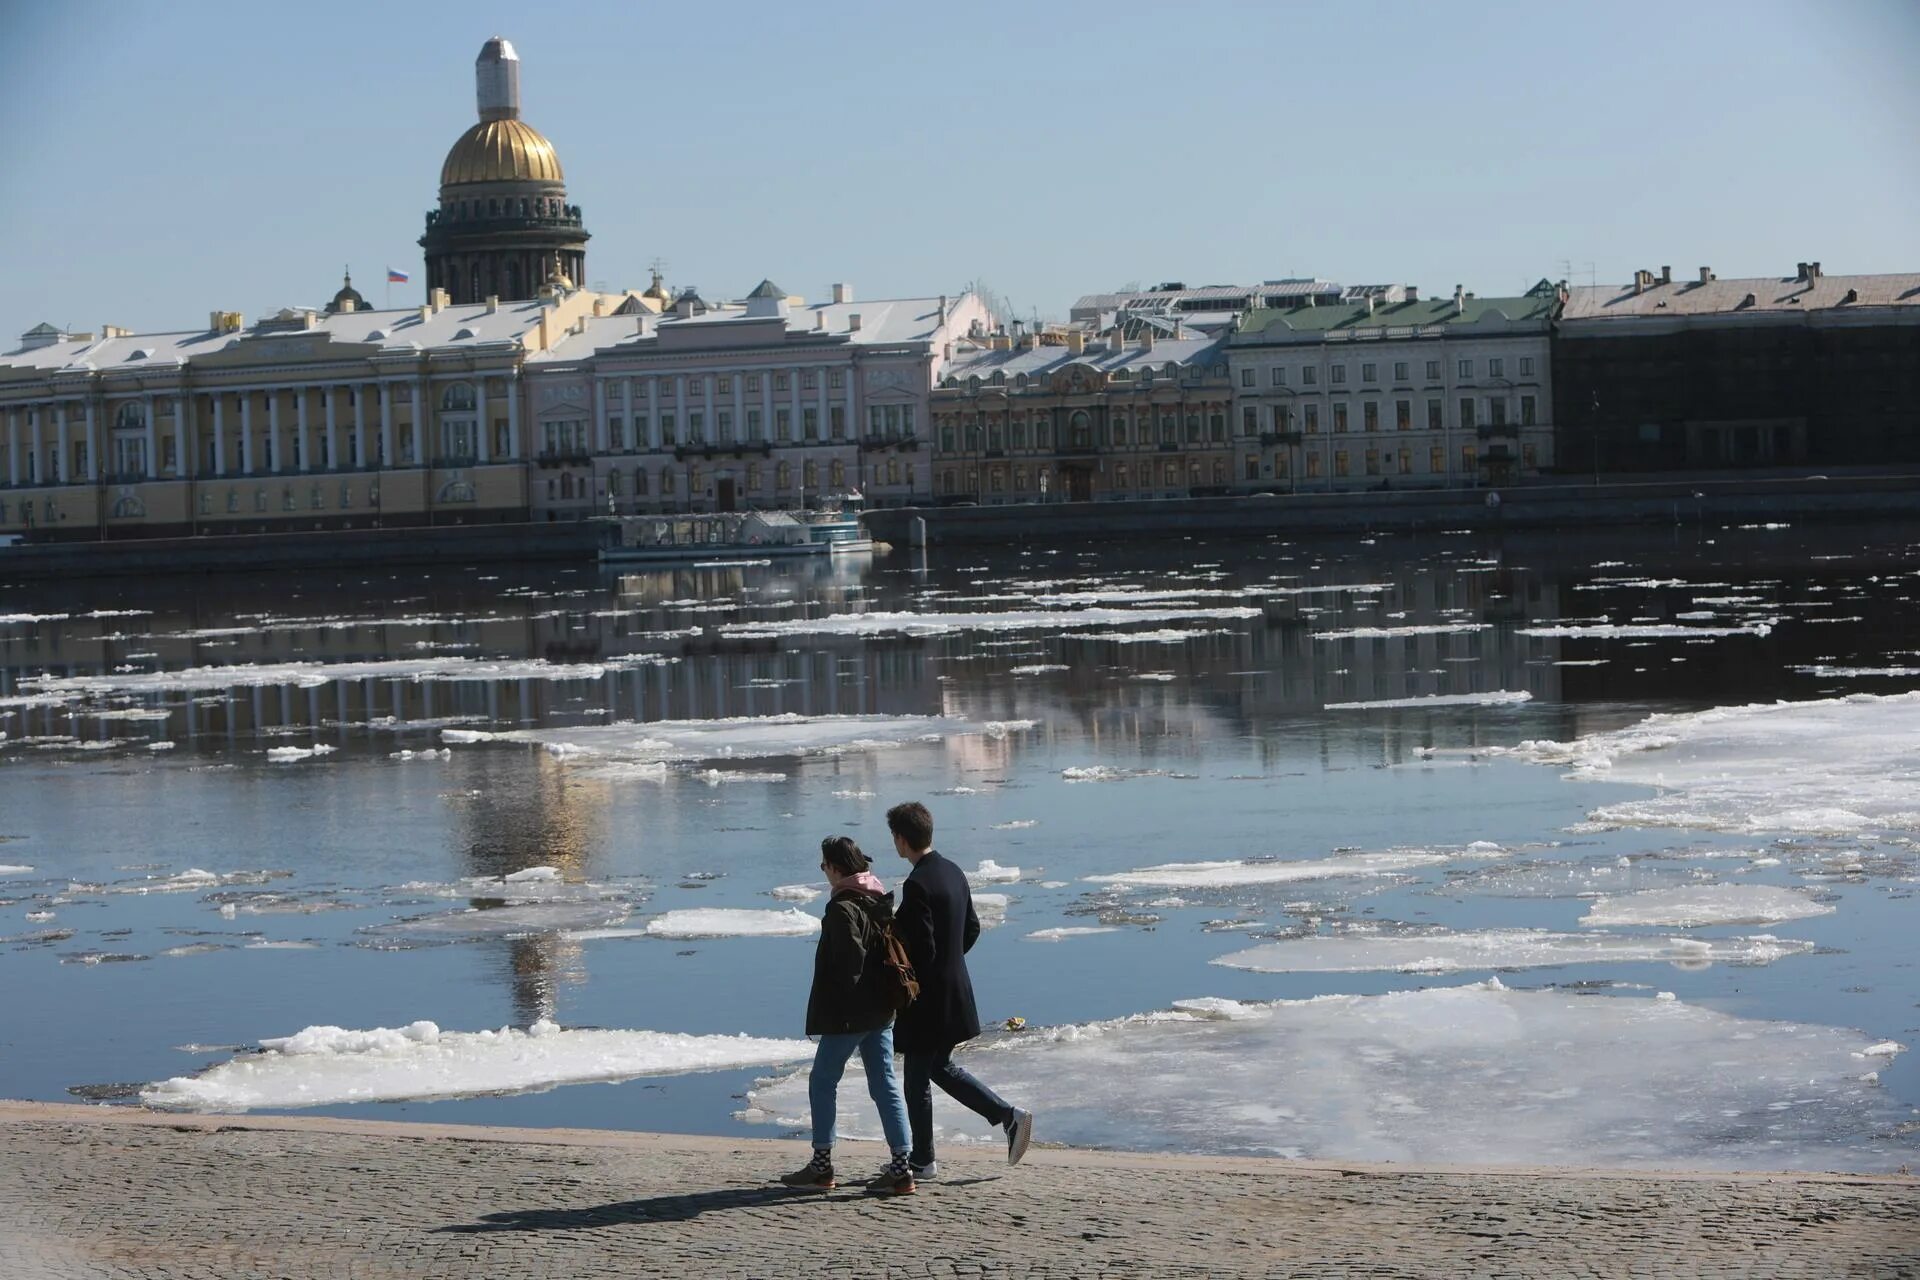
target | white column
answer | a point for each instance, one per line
(219, 435)
(62, 459)
(303, 437)
(793, 408)
(514, 388)
(246, 434)
(182, 437)
(739, 405)
(332, 452)
(93, 441)
(419, 425)
(153, 439)
(599, 415)
(710, 407)
(276, 448)
(680, 406)
(854, 426)
(35, 463)
(766, 404)
(653, 413)
(634, 428)
(386, 424)
(360, 425)
(482, 444)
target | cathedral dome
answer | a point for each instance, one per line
(506, 150)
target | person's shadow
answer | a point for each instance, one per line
(679, 1208)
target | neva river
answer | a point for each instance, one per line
(1344, 848)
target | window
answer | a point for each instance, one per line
(1252, 463)
(1246, 377)
(1340, 462)
(807, 380)
(1399, 370)
(1370, 416)
(1339, 418)
(1169, 429)
(725, 385)
(1146, 377)
(617, 432)
(696, 428)
(1313, 465)
(1498, 405)
(458, 397)
(946, 439)
(783, 476)
(1338, 374)
(837, 474)
(1367, 372)
(1436, 416)
(1249, 421)
(782, 425)
(1120, 430)
(753, 382)
(1216, 426)
(1170, 475)
(1120, 476)
(754, 426)
(997, 480)
(1526, 366)
(1528, 458)
(1527, 411)
(1403, 415)
(1373, 462)
(1496, 367)
(837, 422)
(1313, 419)
(1466, 413)
(668, 435)
(810, 423)
(613, 483)
(836, 379)
(1017, 433)
(1193, 428)
(1280, 376)
(1279, 464)
(779, 382)
(1309, 376)
(1465, 368)
(1437, 459)
(1020, 477)
(1433, 371)
(639, 483)
(723, 426)
(810, 474)
(1405, 466)
(1467, 457)
(666, 482)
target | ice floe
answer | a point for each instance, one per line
(1359, 952)
(308, 675)
(14, 869)
(1064, 932)
(1474, 1074)
(286, 755)
(1837, 766)
(328, 1066)
(1217, 875)
(991, 872)
(732, 922)
(935, 624)
(796, 892)
(1390, 633)
(1644, 631)
(515, 920)
(1706, 904)
(1498, 699)
(658, 742)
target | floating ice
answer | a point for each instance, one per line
(1645, 631)
(1037, 669)
(1455, 1075)
(308, 675)
(1164, 635)
(1837, 766)
(1358, 952)
(285, 755)
(513, 921)
(14, 869)
(1584, 878)
(530, 874)
(991, 872)
(991, 908)
(720, 777)
(1706, 904)
(732, 922)
(1501, 699)
(1389, 633)
(328, 1066)
(740, 737)
(1825, 672)
(1216, 875)
(935, 624)
(1070, 931)
(796, 892)
(1018, 824)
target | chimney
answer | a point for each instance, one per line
(853, 322)
(1116, 341)
(1076, 341)
(943, 308)
(1146, 338)
(599, 306)
(843, 293)
(493, 303)
(1706, 275)
(114, 331)
(1413, 293)
(440, 300)
(1369, 304)
(1813, 271)
(1460, 298)
(1853, 295)
(1799, 271)
(819, 322)
(347, 306)
(1666, 275)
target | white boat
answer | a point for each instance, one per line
(734, 536)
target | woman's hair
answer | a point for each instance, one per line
(843, 855)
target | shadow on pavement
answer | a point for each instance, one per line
(680, 1208)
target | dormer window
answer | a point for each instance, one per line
(465, 333)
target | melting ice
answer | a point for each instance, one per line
(1358, 952)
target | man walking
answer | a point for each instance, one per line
(937, 924)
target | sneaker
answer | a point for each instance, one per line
(1019, 1135)
(817, 1175)
(894, 1179)
(927, 1172)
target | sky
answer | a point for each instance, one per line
(163, 161)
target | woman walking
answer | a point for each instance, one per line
(851, 1009)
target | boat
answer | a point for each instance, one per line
(734, 537)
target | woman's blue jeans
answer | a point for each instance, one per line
(823, 1087)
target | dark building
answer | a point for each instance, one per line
(1807, 370)
(504, 227)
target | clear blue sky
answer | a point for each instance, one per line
(164, 160)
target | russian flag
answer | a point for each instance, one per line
(396, 277)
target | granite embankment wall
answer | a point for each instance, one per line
(342, 549)
(1569, 507)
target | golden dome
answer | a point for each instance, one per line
(501, 151)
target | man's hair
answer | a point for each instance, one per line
(912, 823)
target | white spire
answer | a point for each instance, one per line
(496, 75)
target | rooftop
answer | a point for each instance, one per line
(1531, 310)
(1098, 355)
(1654, 296)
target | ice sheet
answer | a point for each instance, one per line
(309, 675)
(1390, 633)
(1070, 931)
(1644, 631)
(327, 1066)
(1837, 766)
(739, 737)
(517, 920)
(732, 922)
(1705, 904)
(1361, 952)
(934, 624)
(1471, 1075)
(991, 872)
(1500, 699)
(14, 869)
(796, 892)
(1215, 875)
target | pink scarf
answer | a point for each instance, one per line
(866, 882)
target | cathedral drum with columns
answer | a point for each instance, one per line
(504, 228)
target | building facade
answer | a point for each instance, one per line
(765, 403)
(1378, 394)
(1083, 420)
(504, 227)
(1774, 371)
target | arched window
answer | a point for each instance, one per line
(639, 483)
(457, 397)
(837, 474)
(810, 474)
(783, 476)
(131, 416)
(1080, 430)
(455, 491)
(613, 483)
(666, 482)
(1120, 476)
(1120, 429)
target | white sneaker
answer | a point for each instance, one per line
(925, 1172)
(1019, 1135)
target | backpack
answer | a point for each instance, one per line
(899, 986)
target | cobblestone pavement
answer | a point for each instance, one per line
(109, 1192)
